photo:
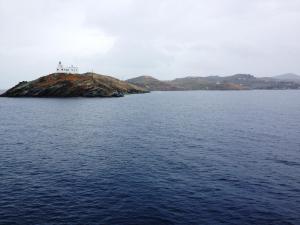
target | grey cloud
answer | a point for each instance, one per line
(164, 38)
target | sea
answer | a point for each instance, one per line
(194, 157)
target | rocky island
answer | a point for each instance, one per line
(73, 85)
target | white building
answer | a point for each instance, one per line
(69, 69)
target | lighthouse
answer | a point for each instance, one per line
(69, 69)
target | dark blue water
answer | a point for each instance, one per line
(162, 158)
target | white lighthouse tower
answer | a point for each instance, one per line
(69, 69)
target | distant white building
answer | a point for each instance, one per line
(69, 69)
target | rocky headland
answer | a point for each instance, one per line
(74, 85)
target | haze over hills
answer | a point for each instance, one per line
(288, 77)
(235, 82)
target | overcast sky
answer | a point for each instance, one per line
(163, 38)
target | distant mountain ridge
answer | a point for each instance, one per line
(234, 82)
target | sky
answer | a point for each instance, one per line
(162, 38)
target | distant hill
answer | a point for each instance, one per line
(206, 83)
(152, 84)
(234, 82)
(288, 77)
(73, 85)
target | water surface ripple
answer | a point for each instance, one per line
(199, 157)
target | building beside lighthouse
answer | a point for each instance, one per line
(66, 69)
